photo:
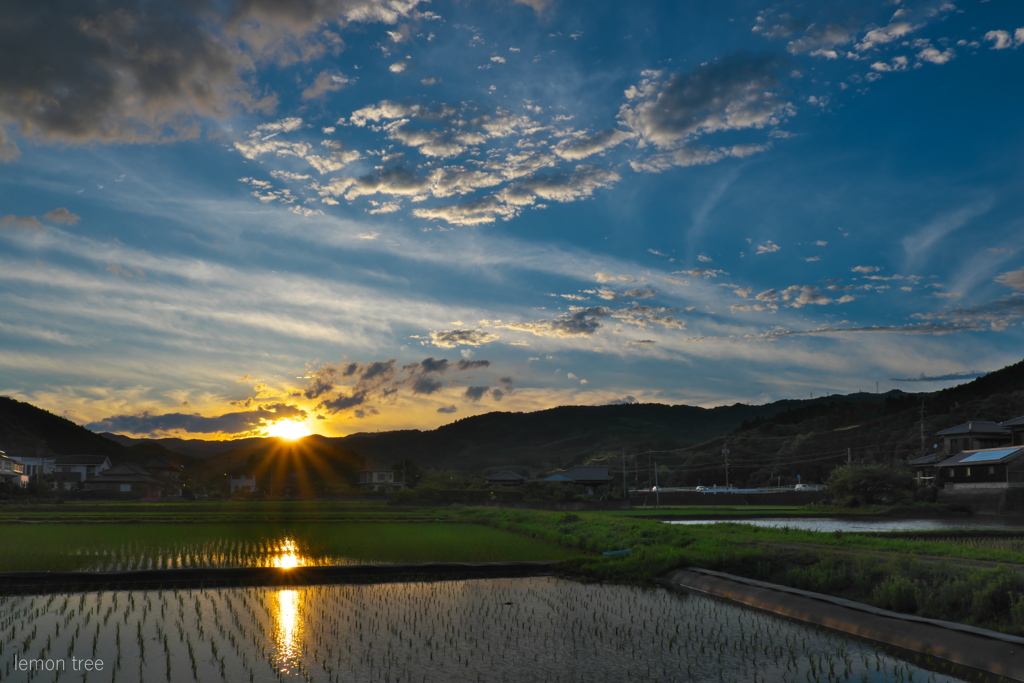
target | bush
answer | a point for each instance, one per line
(870, 484)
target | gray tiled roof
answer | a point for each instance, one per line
(975, 427)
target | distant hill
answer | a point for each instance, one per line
(784, 438)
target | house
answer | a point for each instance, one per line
(37, 466)
(12, 471)
(588, 476)
(379, 480)
(506, 478)
(924, 467)
(1016, 427)
(972, 436)
(988, 468)
(241, 480)
(84, 466)
(127, 477)
(168, 472)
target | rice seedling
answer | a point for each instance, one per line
(500, 629)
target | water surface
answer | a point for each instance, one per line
(863, 525)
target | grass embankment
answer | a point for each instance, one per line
(883, 571)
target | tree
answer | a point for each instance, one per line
(869, 484)
(408, 471)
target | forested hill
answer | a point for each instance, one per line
(812, 433)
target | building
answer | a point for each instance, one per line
(72, 470)
(506, 478)
(972, 436)
(588, 476)
(379, 480)
(1016, 427)
(127, 477)
(37, 466)
(12, 471)
(924, 467)
(989, 468)
(168, 472)
(241, 480)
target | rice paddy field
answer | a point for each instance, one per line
(125, 547)
(537, 629)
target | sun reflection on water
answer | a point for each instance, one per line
(287, 555)
(288, 636)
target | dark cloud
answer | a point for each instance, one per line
(342, 402)
(735, 92)
(939, 378)
(426, 385)
(321, 381)
(465, 364)
(436, 366)
(448, 409)
(384, 370)
(497, 394)
(579, 322)
(475, 393)
(229, 423)
(996, 315)
(452, 338)
(622, 401)
(142, 70)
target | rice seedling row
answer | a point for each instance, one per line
(478, 630)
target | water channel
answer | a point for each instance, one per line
(826, 524)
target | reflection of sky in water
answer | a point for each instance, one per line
(515, 630)
(857, 525)
(289, 628)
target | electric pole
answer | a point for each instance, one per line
(725, 452)
(657, 492)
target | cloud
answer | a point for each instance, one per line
(579, 322)
(735, 92)
(9, 151)
(326, 81)
(866, 269)
(1013, 279)
(705, 273)
(229, 423)
(996, 315)
(768, 247)
(583, 146)
(625, 400)
(939, 378)
(448, 339)
(475, 393)
(1002, 40)
(21, 222)
(427, 385)
(448, 409)
(140, 70)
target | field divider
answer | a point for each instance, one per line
(969, 646)
(51, 582)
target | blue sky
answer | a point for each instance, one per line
(362, 215)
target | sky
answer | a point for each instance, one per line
(219, 218)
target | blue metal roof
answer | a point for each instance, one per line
(993, 454)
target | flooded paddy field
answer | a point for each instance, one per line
(536, 629)
(98, 547)
(848, 525)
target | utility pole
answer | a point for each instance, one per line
(657, 492)
(922, 427)
(725, 452)
(849, 455)
(625, 494)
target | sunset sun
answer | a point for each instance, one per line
(288, 429)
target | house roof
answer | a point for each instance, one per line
(126, 472)
(82, 459)
(506, 476)
(1015, 422)
(557, 477)
(975, 427)
(160, 463)
(926, 459)
(986, 456)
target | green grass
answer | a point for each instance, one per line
(107, 547)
